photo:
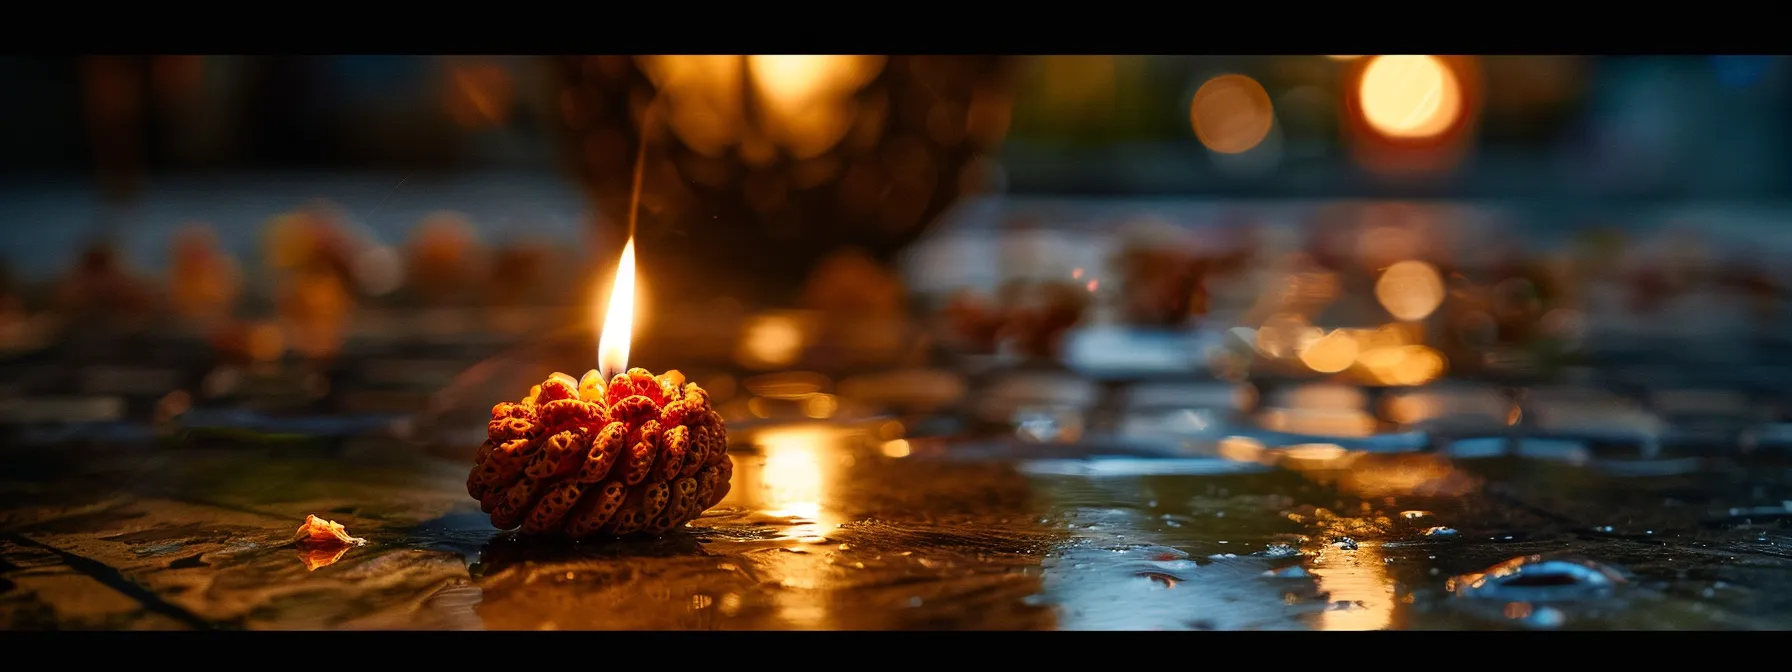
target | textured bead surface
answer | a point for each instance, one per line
(583, 458)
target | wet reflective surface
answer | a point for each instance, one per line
(838, 526)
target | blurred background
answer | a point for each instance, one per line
(1053, 247)
(1039, 322)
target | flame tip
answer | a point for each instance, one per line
(618, 322)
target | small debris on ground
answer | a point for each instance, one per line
(325, 533)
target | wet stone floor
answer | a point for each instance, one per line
(830, 528)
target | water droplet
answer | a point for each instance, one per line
(914, 602)
(1414, 515)
(1533, 578)
(1345, 543)
(1440, 532)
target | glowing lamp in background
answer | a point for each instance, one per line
(1231, 114)
(1409, 96)
(1411, 115)
(1410, 290)
(746, 154)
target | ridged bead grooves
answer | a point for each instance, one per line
(582, 458)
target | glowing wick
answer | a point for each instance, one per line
(619, 319)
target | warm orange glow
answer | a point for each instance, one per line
(793, 480)
(896, 448)
(801, 102)
(619, 320)
(821, 406)
(1336, 422)
(1410, 96)
(1231, 114)
(771, 341)
(1408, 365)
(1317, 457)
(1410, 290)
(797, 79)
(1344, 58)
(1375, 476)
(1360, 579)
(807, 96)
(1384, 336)
(265, 342)
(1332, 353)
(1241, 449)
(790, 491)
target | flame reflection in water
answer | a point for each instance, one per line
(1361, 591)
(789, 486)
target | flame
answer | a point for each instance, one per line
(619, 319)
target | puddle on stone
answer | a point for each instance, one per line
(1537, 578)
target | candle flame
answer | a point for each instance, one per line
(619, 319)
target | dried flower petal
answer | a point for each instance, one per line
(318, 532)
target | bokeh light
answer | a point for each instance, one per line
(1231, 114)
(1332, 353)
(771, 341)
(1410, 290)
(1409, 96)
(1406, 365)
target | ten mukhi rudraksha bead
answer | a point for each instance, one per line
(578, 458)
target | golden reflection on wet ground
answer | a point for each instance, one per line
(834, 527)
(1356, 582)
(787, 484)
